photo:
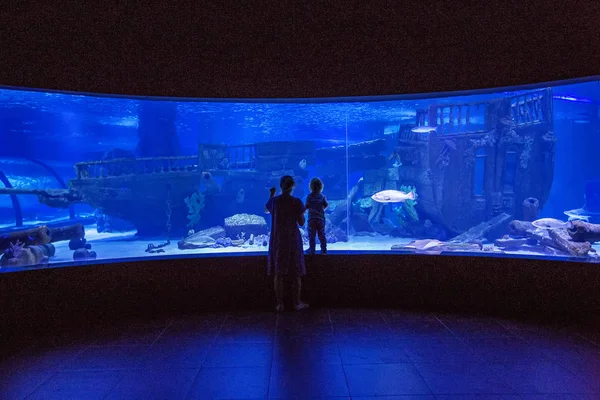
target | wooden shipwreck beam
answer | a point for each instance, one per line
(56, 198)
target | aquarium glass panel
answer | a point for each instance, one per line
(89, 178)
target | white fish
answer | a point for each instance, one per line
(302, 164)
(580, 214)
(551, 223)
(392, 196)
(424, 129)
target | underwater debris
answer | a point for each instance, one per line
(489, 230)
(222, 242)
(195, 205)
(509, 243)
(431, 246)
(196, 241)
(15, 249)
(551, 224)
(261, 240)
(107, 223)
(210, 185)
(531, 206)
(32, 236)
(224, 164)
(84, 254)
(584, 232)
(448, 147)
(17, 255)
(555, 238)
(204, 238)
(79, 243)
(360, 222)
(157, 248)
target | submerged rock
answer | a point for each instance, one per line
(215, 232)
(360, 222)
(490, 230)
(384, 227)
(247, 224)
(106, 223)
(83, 254)
(222, 242)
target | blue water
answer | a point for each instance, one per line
(60, 130)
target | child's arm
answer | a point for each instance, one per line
(325, 203)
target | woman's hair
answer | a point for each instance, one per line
(286, 183)
(316, 185)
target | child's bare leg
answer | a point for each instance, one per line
(278, 285)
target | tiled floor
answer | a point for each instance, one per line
(343, 354)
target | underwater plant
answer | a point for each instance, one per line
(195, 205)
(407, 214)
(15, 249)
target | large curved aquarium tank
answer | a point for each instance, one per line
(89, 178)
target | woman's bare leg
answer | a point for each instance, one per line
(298, 304)
(278, 285)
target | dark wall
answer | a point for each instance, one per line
(297, 48)
(71, 298)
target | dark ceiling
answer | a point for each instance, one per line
(295, 48)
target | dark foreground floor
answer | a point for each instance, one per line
(314, 354)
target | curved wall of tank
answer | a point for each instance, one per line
(96, 178)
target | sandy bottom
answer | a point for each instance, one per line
(125, 246)
(115, 246)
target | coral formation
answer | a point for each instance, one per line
(15, 249)
(407, 214)
(195, 205)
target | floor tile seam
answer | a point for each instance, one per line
(114, 386)
(589, 340)
(449, 330)
(201, 366)
(272, 356)
(42, 383)
(161, 333)
(339, 353)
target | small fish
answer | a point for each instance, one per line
(424, 129)
(392, 196)
(302, 164)
(241, 196)
(551, 223)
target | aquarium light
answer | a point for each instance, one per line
(574, 99)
